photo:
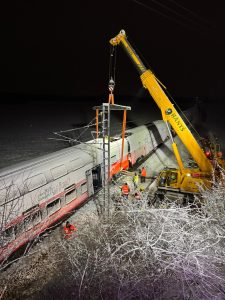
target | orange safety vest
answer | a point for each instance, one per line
(125, 189)
(143, 172)
(69, 230)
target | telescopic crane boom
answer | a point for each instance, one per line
(186, 179)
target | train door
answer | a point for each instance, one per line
(97, 178)
(89, 182)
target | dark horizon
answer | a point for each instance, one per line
(4, 96)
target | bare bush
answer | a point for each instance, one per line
(142, 253)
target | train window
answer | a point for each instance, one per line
(19, 229)
(83, 188)
(28, 223)
(71, 195)
(36, 218)
(31, 209)
(32, 220)
(59, 171)
(53, 206)
(35, 182)
(8, 235)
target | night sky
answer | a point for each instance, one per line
(55, 59)
(62, 47)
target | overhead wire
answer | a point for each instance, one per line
(183, 17)
(193, 13)
(164, 15)
(176, 13)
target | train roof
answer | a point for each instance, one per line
(63, 155)
(82, 151)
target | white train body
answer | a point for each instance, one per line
(36, 194)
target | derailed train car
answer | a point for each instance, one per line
(36, 194)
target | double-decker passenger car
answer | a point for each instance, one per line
(37, 193)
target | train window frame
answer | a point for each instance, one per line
(19, 229)
(35, 220)
(78, 191)
(11, 236)
(30, 215)
(51, 205)
(32, 220)
(84, 188)
(27, 223)
(68, 193)
(31, 210)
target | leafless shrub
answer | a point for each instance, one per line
(143, 253)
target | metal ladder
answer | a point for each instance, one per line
(105, 133)
(106, 154)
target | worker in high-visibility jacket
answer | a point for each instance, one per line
(69, 229)
(125, 190)
(135, 180)
(143, 174)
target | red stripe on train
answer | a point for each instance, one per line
(41, 227)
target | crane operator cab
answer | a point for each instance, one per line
(167, 181)
(168, 178)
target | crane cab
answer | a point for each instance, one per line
(186, 183)
(169, 179)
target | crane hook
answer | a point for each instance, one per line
(111, 85)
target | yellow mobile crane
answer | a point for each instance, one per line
(183, 180)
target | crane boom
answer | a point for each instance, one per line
(169, 113)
